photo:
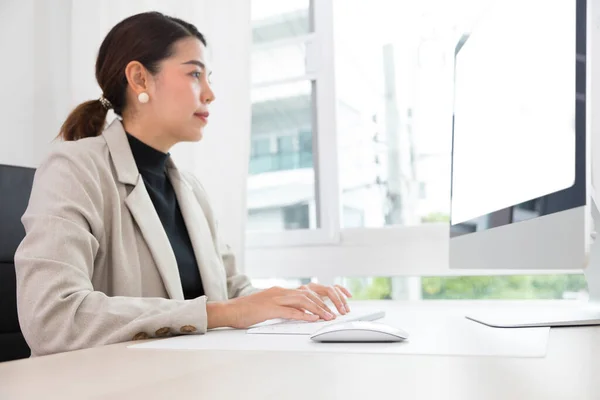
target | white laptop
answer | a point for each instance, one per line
(294, 327)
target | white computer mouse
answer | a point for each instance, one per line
(359, 331)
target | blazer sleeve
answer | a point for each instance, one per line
(238, 284)
(58, 308)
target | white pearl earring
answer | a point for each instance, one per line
(143, 97)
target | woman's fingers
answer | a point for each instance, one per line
(344, 290)
(316, 298)
(293, 313)
(301, 301)
(337, 295)
(343, 298)
(334, 296)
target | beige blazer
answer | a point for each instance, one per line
(96, 266)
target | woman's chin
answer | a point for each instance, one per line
(193, 136)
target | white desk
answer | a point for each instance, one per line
(570, 370)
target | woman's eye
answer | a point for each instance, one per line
(197, 74)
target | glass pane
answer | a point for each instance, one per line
(515, 287)
(394, 107)
(276, 19)
(281, 185)
(282, 62)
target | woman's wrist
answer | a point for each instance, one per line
(219, 314)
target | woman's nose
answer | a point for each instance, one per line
(207, 96)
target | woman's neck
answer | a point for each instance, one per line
(148, 134)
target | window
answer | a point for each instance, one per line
(522, 287)
(285, 174)
(279, 20)
(358, 109)
(260, 155)
(283, 183)
(394, 107)
(296, 216)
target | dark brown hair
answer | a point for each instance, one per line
(148, 38)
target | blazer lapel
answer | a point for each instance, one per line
(140, 205)
(207, 257)
(144, 213)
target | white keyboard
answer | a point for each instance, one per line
(294, 327)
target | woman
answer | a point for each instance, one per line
(120, 245)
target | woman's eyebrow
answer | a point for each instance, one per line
(196, 62)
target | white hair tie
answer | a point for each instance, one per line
(105, 103)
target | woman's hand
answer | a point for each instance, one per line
(336, 293)
(272, 303)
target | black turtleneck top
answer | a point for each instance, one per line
(152, 166)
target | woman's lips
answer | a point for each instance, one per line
(202, 116)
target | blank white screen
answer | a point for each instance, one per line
(514, 128)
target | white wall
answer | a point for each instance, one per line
(33, 77)
(222, 158)
(52, 88)
(17, 83)
(52, 48)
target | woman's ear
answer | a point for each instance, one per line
(137, 76)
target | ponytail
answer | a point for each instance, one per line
(86, 120)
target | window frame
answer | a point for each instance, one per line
(320, 72)
(331, 251)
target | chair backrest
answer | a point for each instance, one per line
(15, 189)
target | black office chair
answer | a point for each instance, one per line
(15, 189)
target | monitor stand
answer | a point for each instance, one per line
(571, 314)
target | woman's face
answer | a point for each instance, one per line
(180, 93)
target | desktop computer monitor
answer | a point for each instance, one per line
(522, 157)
